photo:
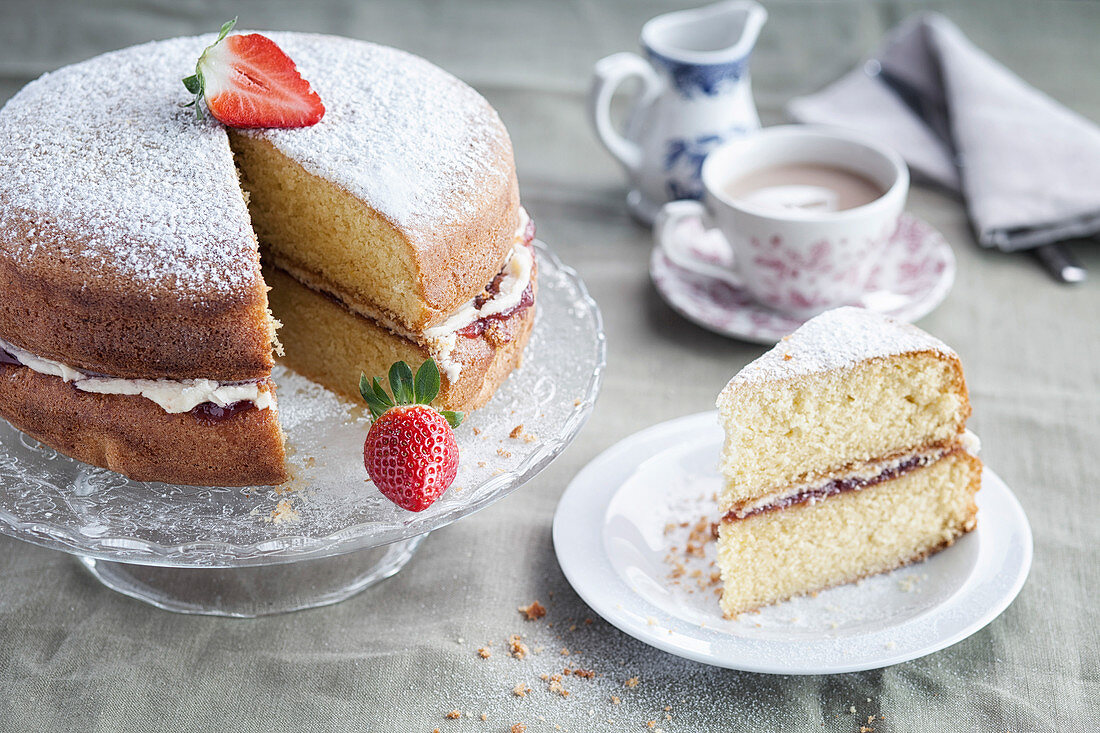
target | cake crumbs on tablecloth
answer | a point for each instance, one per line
(516, 647)
(518, 728)
(556, 686)
(632, 682)
(484, 652)
(454, 714)
(520, 689)
(533, 610)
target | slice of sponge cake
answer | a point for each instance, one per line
(845, 455)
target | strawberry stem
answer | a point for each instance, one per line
(226, 27)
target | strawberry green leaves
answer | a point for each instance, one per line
(454, 417)
(376, 398)
(426, 386)
(406, 389)
(401, 384)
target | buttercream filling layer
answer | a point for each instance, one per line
(172, 395)
(867, 475)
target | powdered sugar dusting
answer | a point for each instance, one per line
(836, 339)
(414, 142)
(102, 169)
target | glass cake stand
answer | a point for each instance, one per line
(328, 533)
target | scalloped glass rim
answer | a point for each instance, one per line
(560, 289)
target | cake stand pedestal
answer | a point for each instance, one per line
(253, 591)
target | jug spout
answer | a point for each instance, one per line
(721, 33)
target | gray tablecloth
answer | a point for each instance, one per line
(76, 656)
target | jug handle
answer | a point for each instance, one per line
(609, 73)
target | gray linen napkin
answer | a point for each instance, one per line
(1028, 167)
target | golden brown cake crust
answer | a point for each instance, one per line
(127, 250)
(125, 242)
(94, 321)
(456, 265)
(134, 436)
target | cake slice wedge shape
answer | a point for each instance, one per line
(846, 454)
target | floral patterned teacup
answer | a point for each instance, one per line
(798, 261)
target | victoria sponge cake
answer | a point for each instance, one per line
(846, 454)
(148, 257)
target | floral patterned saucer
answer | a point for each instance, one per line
(913, 276)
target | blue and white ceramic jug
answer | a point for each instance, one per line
(695, 94)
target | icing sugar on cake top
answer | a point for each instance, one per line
(411, 140)
(103, 171)
(836, 339)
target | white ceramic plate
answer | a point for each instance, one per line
(612, 537)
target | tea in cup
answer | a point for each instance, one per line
(805, 212)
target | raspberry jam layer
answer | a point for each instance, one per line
(209, 413)
(478, 327)
(526, 299)
(832, 488)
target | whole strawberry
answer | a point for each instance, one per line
(248, 81)
(410, 452)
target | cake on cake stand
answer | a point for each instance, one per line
(328, 533)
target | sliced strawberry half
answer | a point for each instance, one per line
(248, 81)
